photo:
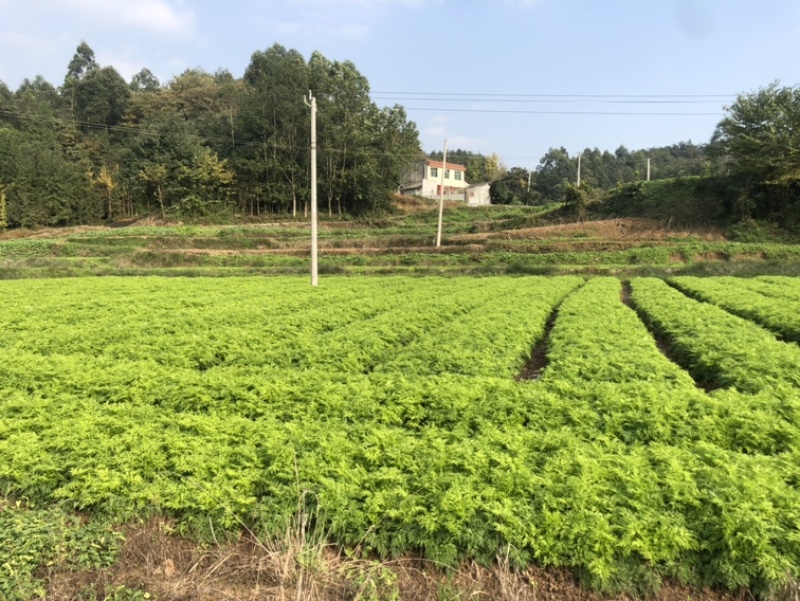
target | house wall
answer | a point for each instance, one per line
(433, 173)
(425, 179)
(478, 196)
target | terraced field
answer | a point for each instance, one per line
(628, 431)
(490, 241)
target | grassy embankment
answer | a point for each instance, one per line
(486, 241)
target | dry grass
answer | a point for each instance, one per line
(609, 229)
(301, 565)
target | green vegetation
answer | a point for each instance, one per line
(722, 349)
(391, 405)
(203, 146)
(781, 315)
(33, 538)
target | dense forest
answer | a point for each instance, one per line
(97, 148)
(100, 148)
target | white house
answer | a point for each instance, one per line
(425, 179)
(477, 195)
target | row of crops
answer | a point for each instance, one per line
(392, 409)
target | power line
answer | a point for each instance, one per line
(554, 112)
(506, 95)
(547, 101)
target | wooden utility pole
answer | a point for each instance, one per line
(441, 198)
(312, 102)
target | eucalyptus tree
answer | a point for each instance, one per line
(276, 125)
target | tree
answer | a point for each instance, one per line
(101, 97)
(106, 179)
(6, 98)
(494, 168)
(160, 154)
(155, 174)
(278, 121)
(3, 209)
(145, 81)
(577, 198)
(761, 134)
(83, 62)
(207, 182)
(512, 188)
(555, 169)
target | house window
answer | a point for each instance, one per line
(434, 172)
(446, 174)
(458, 176)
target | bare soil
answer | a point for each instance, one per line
(171, 568)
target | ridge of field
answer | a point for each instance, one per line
(776, 308)
(490, 240)
(390, 407)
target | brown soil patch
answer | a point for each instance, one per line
(711, 257)
(538, 362)
(302, 250)
(609, 229)
(297, 568)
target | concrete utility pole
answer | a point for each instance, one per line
(579, 170)
(648, 170)
(441, 198)
(530, 171)
(312, 102)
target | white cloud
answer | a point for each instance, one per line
(158, 16)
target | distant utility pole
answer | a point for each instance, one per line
(312, 102)
(441, 198)
(648, 170)
(530, 171)
(579, 170)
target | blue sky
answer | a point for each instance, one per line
(599, 56)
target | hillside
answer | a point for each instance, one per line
(491, 240)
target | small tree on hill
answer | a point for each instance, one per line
(577, 198)
(3, 210)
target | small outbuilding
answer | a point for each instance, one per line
(477, 195)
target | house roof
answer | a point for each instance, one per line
(479, 184)
(453, 166)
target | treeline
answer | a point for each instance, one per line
(600, 170)
(99, 148)
(750, 169)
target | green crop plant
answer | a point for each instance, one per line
(393, 405)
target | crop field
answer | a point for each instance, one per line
(628, 431)
(500, 241)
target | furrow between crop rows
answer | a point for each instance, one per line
(718, 347)
(781, 316)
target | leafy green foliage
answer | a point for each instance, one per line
(391, 405)
(33, 539)
(781, 315)
(722, 348)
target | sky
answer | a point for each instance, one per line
(515, 77)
